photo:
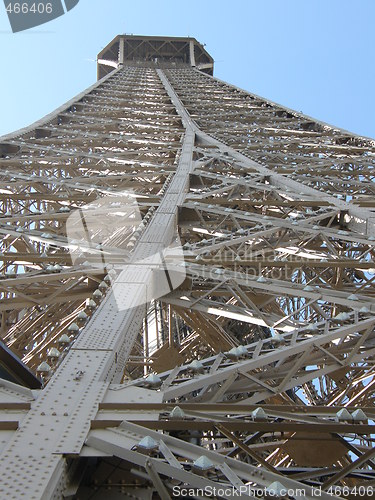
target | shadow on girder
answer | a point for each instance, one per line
(14, 370)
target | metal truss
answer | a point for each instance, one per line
(255, 376)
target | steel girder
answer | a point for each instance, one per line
(267, 347)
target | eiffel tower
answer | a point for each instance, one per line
(250, 372)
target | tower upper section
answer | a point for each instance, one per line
(159, 51)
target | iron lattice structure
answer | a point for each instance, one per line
(262, 361)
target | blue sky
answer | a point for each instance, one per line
(316, 56)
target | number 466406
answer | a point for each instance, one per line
(25, 8)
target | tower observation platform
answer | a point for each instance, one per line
(155, 51)
(187, 301)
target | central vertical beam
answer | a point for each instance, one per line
(187, 122)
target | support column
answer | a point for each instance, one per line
(192, 54)
(121, 52)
